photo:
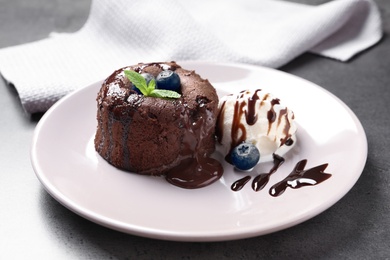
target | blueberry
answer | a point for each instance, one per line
(134, 88)
(245, 156)
(169, 80)
(148, 77)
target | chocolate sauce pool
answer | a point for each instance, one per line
(194, 173)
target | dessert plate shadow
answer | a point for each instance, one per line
(65, 162)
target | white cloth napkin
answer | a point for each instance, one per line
(119, 33)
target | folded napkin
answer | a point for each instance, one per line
(119, 33)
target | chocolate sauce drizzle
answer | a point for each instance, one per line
(271, 115)
(298, 178)
(250, 114)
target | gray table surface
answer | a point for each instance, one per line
(33, 224)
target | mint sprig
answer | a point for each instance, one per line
(149, 90)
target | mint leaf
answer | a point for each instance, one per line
(149, 90)
(151, 85)
(138, 81)
(164, 93)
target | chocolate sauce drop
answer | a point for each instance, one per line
(239, 184)
(299, 178)
(289, 142)
(261, 180)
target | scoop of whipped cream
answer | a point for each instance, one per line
(256, 117)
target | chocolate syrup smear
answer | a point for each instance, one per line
(298, 178)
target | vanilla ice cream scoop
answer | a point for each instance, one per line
(256, 117)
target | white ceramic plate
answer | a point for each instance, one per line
(66, 163)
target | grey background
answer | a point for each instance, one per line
(33, 224)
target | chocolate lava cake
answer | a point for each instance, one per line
(149, 135)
